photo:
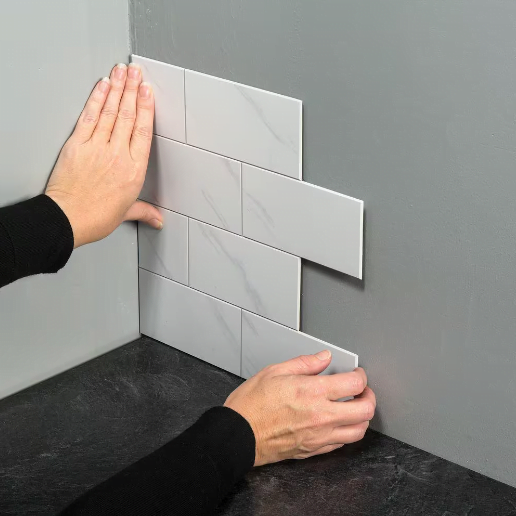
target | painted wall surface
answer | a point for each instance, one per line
(53, 53)
(410, 106)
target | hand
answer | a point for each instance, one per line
(101, 169)
(294, 413)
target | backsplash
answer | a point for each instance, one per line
(222, 280)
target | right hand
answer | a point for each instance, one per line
(295, 414)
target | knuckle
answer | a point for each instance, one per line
(318, 419)
(90, 117)
(358, 383)
(143, 131)
(109, 112)
(69, 151)
(369, 410)
(127, 115)
(271, 368)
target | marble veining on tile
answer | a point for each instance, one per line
(245, 123)
(195, 183)
(190, 321)
(265, 342)
(303, 219)
(248, 274)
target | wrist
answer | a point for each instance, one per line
(66, 206)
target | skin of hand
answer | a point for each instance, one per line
(101, 168)
(294, 413)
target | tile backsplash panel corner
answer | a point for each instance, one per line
(222, 280)
(245, 123)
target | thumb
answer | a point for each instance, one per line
(306, 364)
(145, 212)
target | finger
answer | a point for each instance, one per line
(109, 112)
(321, 451)
(126, 117)
(91, 112)
(348, 434)
(359, 410)
(342, 385)
(145, 212)
(142, 132)
(304, 364)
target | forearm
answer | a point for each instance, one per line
(190, 475)
(35, 238)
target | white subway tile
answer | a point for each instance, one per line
(245, 273)
(265, 342)
(194, 182)
(308, 221)
(244, 123)
(190, 321)
(168, 83)
(165, 252)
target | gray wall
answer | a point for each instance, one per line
(53, 53)
(410, 106)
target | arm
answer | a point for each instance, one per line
(190, 475)
(94, 186)
(35, 238)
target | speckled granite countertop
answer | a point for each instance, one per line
(61, 437)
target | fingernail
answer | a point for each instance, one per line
(323, 355)
(156, 224)
(134, 71)
(120, 71)
(104, 85)
(145, 90)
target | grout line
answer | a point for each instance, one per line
(241, 200)
(340, 194)
(184, 102)
(234, 159)
(230, 232)
(241, 342)
(248, 238)
(188, 251)
(299, 293)
(218, 298)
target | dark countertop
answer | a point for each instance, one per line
(61, 437)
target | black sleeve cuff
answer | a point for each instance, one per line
(36, 237)
(189, 476)
(230, 441)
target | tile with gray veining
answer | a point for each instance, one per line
(194, 182)
(244, 123)
(245, 273)
(168, 85)
(165, 252)
(306, 220)
(265, 342)
(190, 321)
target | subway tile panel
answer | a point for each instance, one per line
(308, 221)
(245, 273)
(251, 125)
(165, 252)
(195, 183)
(265, 342)
(190, 321)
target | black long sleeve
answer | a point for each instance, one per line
(191, 474)
(35, 238)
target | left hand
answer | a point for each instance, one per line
(101, 169)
